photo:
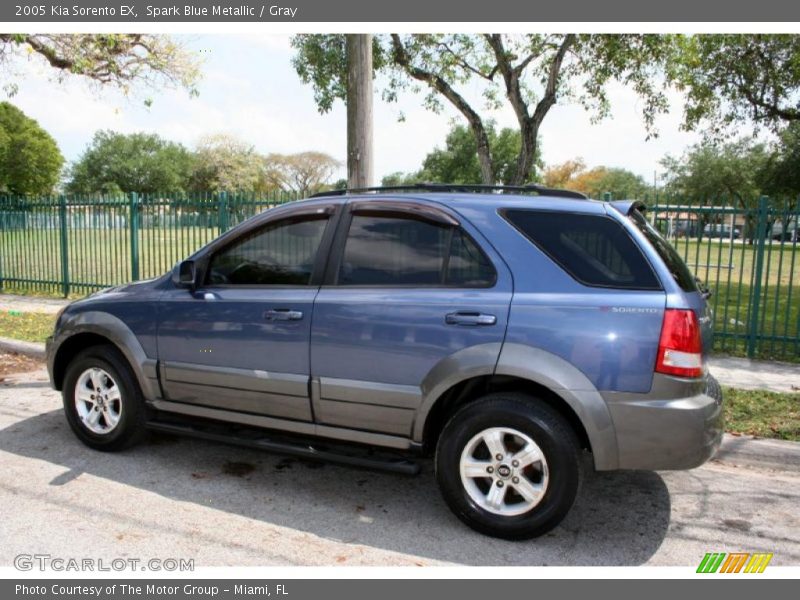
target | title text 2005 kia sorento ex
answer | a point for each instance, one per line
(503, 332)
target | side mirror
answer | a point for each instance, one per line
(185, 275)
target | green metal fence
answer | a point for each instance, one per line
(74, 245)
(747, 252)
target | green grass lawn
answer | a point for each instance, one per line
(96, 257)
(729, 269)
(29, 327)
(762, 414)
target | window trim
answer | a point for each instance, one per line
(330, 213)
(409, 210)
(504, 213)
(398, 210)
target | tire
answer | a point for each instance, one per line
(120, 422)
(713, 388)
(551, 481)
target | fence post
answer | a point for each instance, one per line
(134, 227)
(760, 240)
(223, 212)
(62, 215)
(3, 225)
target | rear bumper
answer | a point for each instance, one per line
(661, 434)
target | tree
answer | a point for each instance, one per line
(711, 173)
(117, 59)
(225, 163)
(561, 175)
(398, 178)
(780, 175)
(620, 183)
(137, 162)
(595, 182)
(305, 172)
(738, 78)
(531, 72)
(30, 161)
(458, 161)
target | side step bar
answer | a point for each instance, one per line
(299, 449)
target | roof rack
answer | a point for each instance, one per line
(457, 187)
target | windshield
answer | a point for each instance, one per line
(683, 276)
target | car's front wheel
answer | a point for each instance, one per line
(102, 400)
(508, 466)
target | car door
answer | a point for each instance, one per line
(240, 341)
(407, 286)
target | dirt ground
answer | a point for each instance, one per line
(17, 363)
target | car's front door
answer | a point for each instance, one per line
(240, 341)
(407, 287)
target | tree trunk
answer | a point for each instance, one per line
(435, 81)
(527, 152)
(484, 152)
(528, 124)
(359, 111)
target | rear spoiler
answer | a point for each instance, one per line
(626, 207)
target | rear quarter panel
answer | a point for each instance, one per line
(610, 335)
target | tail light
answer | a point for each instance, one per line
(680, 349)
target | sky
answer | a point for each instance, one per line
(250, 89)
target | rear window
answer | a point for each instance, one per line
(683, 276)
(595, 250)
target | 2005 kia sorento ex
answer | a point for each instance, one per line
(503, 333)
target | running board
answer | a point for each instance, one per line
(299, 449)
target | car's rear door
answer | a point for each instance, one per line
(407, 286)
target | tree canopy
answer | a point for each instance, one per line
(122, 60)
(573, 174)
(710, 172)
(137, 162)
(30, 161)
(225, 163)
(457, 162)
(304, 172)
(735, 79)
(780, 176)
(530, 72)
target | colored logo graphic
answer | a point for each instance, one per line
(735, 562)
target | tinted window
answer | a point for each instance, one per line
(680, 272)
(468, 266)
(279, 254)
(383, 250)
(595, 250)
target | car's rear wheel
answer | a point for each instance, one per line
(102, 400)
(508, 466)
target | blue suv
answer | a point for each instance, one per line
(503, 331)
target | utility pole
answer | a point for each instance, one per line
(359, 111)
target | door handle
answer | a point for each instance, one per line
(471, 319)
(283, 314)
